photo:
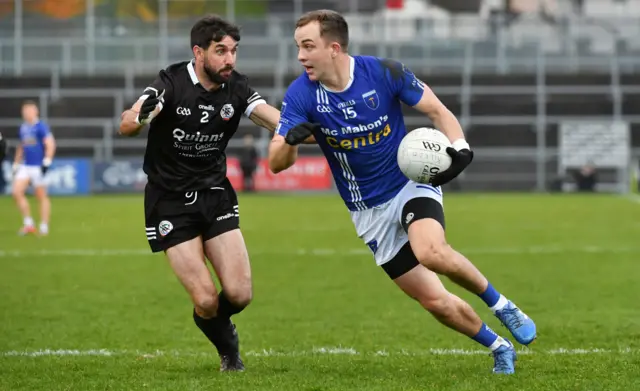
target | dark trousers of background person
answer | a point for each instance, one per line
(3, 155)
(3, 183)
(247, 177)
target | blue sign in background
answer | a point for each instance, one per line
(65, 176)
(119, 176)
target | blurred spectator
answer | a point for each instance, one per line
(248, 162)
(586, 178)
(3, 154)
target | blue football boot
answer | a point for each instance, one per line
(519, 324)
(504, 359)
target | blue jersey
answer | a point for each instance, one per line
(361, 127)
(32, 141)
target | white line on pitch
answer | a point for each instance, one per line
(313, 352)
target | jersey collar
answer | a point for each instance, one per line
(193, 76)
(352, 65)
(192, 73)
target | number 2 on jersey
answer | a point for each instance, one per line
(205, 117)
(349, 113)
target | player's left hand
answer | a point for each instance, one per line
(461, 156)
(46, 163)
(300, 132)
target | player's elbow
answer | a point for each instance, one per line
(281, 155)
(128, 130)
(440, 114)
(276, 165)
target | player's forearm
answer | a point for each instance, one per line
(129, 125)
(281, 155)
(18, 156)
(445, 121)
(49, 148)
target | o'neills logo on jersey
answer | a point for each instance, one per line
(196, 144)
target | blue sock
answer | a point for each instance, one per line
(490, 296)
(485, 336)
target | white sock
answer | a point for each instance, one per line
(28, 222)
(44, 227)
(502, 302)
(498, 342)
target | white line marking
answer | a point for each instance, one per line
(322, 252)
(633, 197)
(340, 351)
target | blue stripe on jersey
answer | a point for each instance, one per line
(361, 127)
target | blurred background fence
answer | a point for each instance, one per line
(543, 88)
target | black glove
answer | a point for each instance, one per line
(153, 100)
(459, 161)
(46, 163)
(300, 132)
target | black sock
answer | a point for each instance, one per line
(219, 331)
(226, 308)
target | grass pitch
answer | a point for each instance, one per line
(89, 307)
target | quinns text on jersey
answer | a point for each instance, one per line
(197, 145)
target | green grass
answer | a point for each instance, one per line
(571, 262)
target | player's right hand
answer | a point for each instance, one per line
(14, 169)
(300, 132)
(152, 100)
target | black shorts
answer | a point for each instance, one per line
(172, 218)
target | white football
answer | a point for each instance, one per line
(423, 153)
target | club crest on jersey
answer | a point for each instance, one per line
(226, 111)
(165, 227)
(371, 99)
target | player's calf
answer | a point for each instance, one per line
(425, 287)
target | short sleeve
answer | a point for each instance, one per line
(293, 110)
(250, 98)
(402, 82)
(43, 131)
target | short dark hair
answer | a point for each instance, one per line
(29, 102)
(332, 24)
(212, 28)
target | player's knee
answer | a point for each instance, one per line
(435, 256)
(239, 294)
(438, 306)
(206, 304)
(17, 193)
(41, 195)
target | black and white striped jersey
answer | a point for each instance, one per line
(187, 139)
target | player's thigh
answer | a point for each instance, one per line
(422, 218)
(37, 180)
(224, 244)
(230, 260)
(188, 264)
(20, 181)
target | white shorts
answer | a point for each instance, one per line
(32, 173)
(381, 228)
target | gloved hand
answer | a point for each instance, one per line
(300, 132)
(151, 102)
(46, 163)
(461, 156)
